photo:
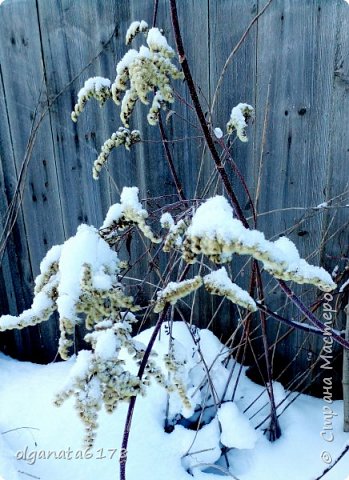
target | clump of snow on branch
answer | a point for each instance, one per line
(166, 220)
(143, 72)
(218, 132)
(344, 286)
(127, 213)
(135, 28)
(95, 87)
(216, 233)
(321, 206)
(239, 117)
(123, 136)
(236, 430)
(219, 283)
(174, 238)
(176, 290)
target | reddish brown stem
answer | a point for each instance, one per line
(131, 406)
(200, 114)
(169, 159)
(274, 431)
(241, 178)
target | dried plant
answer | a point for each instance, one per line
(86, 279)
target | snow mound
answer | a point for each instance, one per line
(237, 431)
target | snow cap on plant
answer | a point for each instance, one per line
(143, 72)
(135, 28)
(216, 233)
(166, 220)
(219, 283)
(176, 290)
(95, 87)
(78, 277)
(125, 214)
(239, 118)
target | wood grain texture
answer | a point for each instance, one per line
(297, 50)
(23, 83)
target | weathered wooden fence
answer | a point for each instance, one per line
(293, 66)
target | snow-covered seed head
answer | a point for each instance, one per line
(176, 290)
(143, 72)
(239, 117)
(127, 213)
(219, 283)
(166, 220)
(95, 87)
(174, 237)
(99, 376)
(215, 233)
(135, 28)
(122, 136)
(153, 115)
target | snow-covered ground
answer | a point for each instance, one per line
(33, 427)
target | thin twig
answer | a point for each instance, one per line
(233, 52)
(170, 161)
(346, 449)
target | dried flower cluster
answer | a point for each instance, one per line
(174, 238)
(219, 283)
(135, 28)
(144, 71)
(95, 87)
(176, 368)
(80, 276)
(148, 70)
(127, 213)
(214, 232)
(99, 376)
(123, 136)
(216, 283)
(176, 290)
(45, 295)
(239, 117)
